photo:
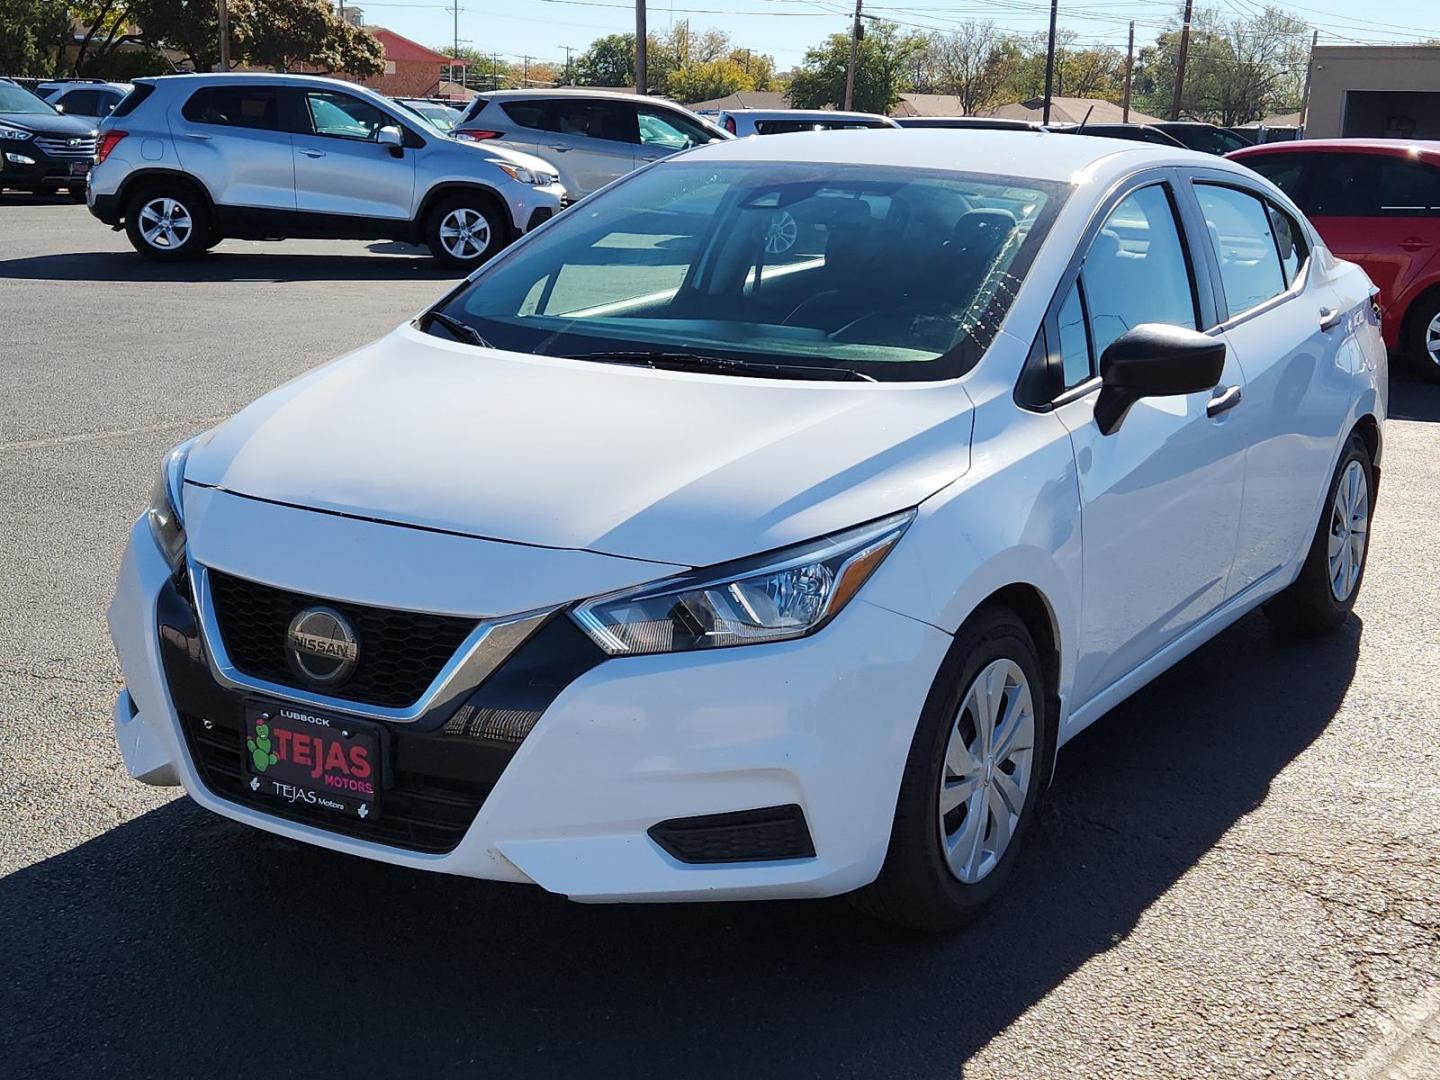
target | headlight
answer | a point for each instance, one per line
(166, 524)
(785, 594)
(14, 134)
(524, 175)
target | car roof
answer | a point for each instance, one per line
(1398, 147)
(579, 92)
(1037, 155)
(804, 114)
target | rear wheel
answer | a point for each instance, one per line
(167, 222)
(976, 768)
(1422, 347)
(464, 231)
(1321, 598)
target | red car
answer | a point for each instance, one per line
(1376, 202)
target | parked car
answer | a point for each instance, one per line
(1375, 202)
(982, 123)
(85, 99)
(590, 136)
(1207, 138)
(188, 160)
(685, 571)
(742, 122)
(1146, 133)
(41, 150)
(442, 117)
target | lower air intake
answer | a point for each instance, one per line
(774, 832)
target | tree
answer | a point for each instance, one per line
(972, 63)
(31, 34)
(609, 61)
(707, 80)
(881, 70)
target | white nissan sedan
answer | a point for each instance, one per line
(663, 560)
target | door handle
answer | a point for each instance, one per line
(1413, 243)
(311, 152)
(198, 136)
(557, 149)
(1330, 318)
(1223, 400)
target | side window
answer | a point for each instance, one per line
(1243, 239)
(1408, 187)
(1290, 240)
(667, 130)
(593, 120)
(1136, 270)
(1074, 342)
(1288, 172)
(1344, 185)
(528, 114)
(234, 106)
(107, 100)
(341, 116)
(80, 102)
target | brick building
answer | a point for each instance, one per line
(411, 70)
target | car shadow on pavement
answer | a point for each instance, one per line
(222, 265)
(1413, 399)
(180, 943)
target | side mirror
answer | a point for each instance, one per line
(1155, 360)
(391, 136)
(59, 108)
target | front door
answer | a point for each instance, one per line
(1160, 496)
(340, 167)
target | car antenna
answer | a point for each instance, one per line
(1081, 129)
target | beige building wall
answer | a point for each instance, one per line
(1375, 91)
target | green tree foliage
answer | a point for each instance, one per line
(681, 64)
(882, 73)
(31, 34)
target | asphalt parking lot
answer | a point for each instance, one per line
(1237, 873)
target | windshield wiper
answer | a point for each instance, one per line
(661, 359)
(457, 329)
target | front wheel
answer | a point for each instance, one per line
(1422, 347)
(976, 768)
(1321, 598)
(166, 223)
(464, 231)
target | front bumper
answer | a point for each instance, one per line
(42, 171)
(823, 723)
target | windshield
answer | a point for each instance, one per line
(14, 100)
(440, 117)
(896, 274)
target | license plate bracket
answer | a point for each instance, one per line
(313, 760)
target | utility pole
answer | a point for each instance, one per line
(1050, 59)
(224, 15)
(642, 83)
(1180, 61)
(1305, 93)
(525, 72)
(495, 70)
(568, 51)
(1129, 70)
(455, 53)
(856, 33)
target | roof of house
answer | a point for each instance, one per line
(1070, 110)
(1291, 119)
(399, 47)
(454, 91)
(743, 99)
(928, 105)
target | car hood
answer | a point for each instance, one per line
(672, 467)
(48, 123)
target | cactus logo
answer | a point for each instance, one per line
(261, 749)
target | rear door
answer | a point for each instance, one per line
(1287, 329)
(590, 141)
(340, 167)
(231, 138)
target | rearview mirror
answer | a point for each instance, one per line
(390, 136)
(1155, 360)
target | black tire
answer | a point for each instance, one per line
(1309, 607)
(1415, 346)
(916, 887)
(472, 209)
(76, 194)
(190, 243)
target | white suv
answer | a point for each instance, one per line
(590, 136)
(187, 160)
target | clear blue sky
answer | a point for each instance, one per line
(784, 28)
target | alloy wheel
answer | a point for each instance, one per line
(781, 233)
(988, 769)
(1349, 530)
(465, 233)
(166, 224)
(1432, 339)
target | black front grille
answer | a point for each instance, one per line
(419, 810)
(60, 146)
(773, 832)
(400, 652)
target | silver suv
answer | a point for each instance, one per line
(591, 136)
(188, 160)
